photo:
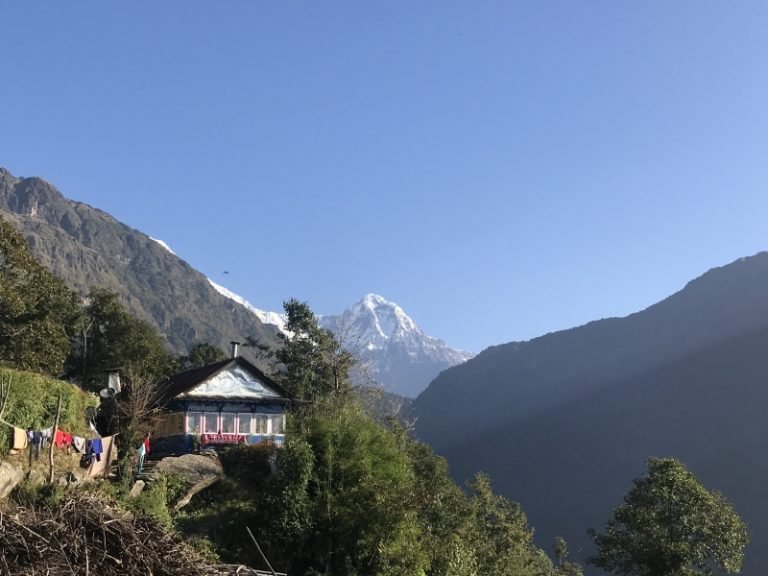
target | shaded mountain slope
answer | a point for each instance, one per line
(570, 465)
(564, 422)
(88, 247)
(516, 380)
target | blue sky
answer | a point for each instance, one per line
(499, 169)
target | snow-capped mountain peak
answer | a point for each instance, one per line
(372, 321)
(394, 352)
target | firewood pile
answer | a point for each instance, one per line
(84, 536)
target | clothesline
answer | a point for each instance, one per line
(14, 425)
(2, 421)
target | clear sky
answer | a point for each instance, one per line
(499, 169)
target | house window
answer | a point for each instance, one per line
(227, 423)
(243, 423)
(278, 424)
(261, 424)
(194, 423)
(211, 423)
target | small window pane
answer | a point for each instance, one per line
(194, 423)
(211, 423)
(261, 424)
(244, 424)
(227, 423)
(278, 424)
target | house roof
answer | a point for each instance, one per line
(185, 381)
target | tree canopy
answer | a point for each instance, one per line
(315, 362)
(37, 310)
(670, 525)
(201, 354)
(108, 337)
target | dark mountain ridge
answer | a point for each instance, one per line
(87, 247)
(518, 379)
(566, 421)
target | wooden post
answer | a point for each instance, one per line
(260, 552)
(50, 449)
(5, 391)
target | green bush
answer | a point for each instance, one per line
(33, 400)
(250, 464)
(176, 488)
(152, 502)
(37, 495)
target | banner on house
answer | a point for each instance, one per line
(220, 439)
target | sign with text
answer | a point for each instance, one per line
(220, 439)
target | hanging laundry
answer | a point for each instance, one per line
(47, 436)
(106, 447)
(142, 452)
(36, 439)
(62, 439)
(97, 448)
(88, 457)
(78, 443)
(19, 439)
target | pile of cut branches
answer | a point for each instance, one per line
(85, 536)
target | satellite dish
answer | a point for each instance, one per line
(107, 392)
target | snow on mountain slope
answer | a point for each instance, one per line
(266, 317)
(164, 245)
(394, 352)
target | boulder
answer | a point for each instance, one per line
(10, 475)
(138, 486)
(192, 467)
(35, 477)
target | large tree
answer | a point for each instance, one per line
(110, 338)
(315, 363)
(670, 525)
(37, 310)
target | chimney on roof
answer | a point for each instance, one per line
(113, 381)
(235, 348)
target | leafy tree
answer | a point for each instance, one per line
(670, 525)
(130, 414)
(110, 338)
(316, 366)
(37, 310)
(499, 533)
(201, 354)
(565, 566)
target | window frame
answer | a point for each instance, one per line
(206, 418)
(227, 415)
(257, 418)
(190, 417)
(240, 417)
